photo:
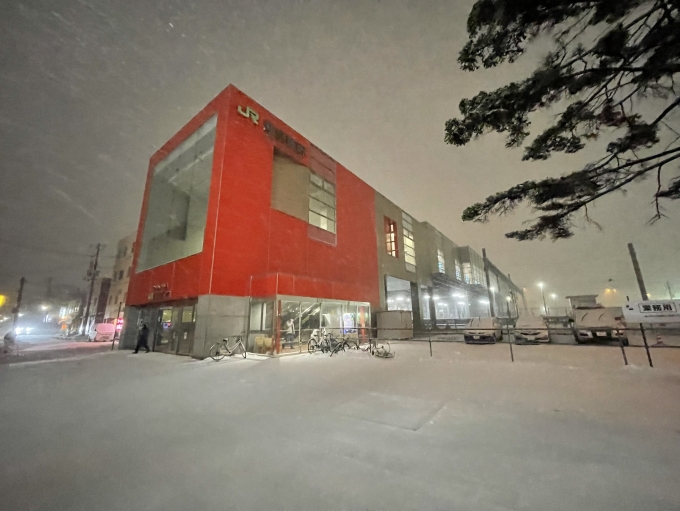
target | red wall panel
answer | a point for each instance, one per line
(245, 238)
(198, 266)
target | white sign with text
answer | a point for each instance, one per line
(652, 311)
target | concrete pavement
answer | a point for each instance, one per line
(31, 348)
(465, 429)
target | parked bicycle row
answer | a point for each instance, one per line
(321, 341)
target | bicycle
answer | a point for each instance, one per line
(221, 349)
(344, 344)
(382, 350)
(317, 342)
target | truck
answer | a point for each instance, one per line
(599, 323)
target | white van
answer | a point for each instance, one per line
(102, 332)
(531, 329)
(483, 331)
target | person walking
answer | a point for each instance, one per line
(143, 339)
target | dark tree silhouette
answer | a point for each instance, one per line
(610, 59)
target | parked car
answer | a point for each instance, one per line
(483, 331)
(598, 324)
(531, 329)
(102, 332)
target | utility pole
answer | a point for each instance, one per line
(17, 308)
(93, 276)
(638, 272)
(488, 283)
(670, 290)
(48, 292)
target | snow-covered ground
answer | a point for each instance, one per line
(564, 429)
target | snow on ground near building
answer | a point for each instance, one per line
(566, 428)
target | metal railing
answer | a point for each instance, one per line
(642, 336)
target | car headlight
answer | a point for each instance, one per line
(18, 330)
(28, 330)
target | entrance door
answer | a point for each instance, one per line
(163, 338)
(187, 325)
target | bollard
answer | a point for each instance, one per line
(644, 339)
(512, 355)
(430, 340)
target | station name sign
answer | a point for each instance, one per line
(272, 131)
(276, 134)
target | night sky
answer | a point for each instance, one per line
(89, 89)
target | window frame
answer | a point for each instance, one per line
(322, 204)
(409, 242)
(391, 237)
(441, 263)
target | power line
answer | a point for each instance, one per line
(49, 250)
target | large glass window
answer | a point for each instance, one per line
(363, 322)
(349, 320)
(331, 318)
(289, 326)
(262, 334)
(261, 316)
(309, 321)
(466, 273)
(409, 242)
(178, 200)
(321, 203)
(441, 265)
(398, 294)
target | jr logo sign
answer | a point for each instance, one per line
(249, 113)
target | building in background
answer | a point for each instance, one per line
(120, 279)
(71, 315)
(248, 227)
(98, 301)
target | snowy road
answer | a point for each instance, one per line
(465, 429)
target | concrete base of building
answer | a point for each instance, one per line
(216, 317)
(128, 335)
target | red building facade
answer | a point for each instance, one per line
(249, 248)
(247, 228)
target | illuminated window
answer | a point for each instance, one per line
(459, 274)
(391, 237)
(321, 203)
(467, 277)
(441, 265)
(409, 243)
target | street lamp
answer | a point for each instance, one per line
(545, 307)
